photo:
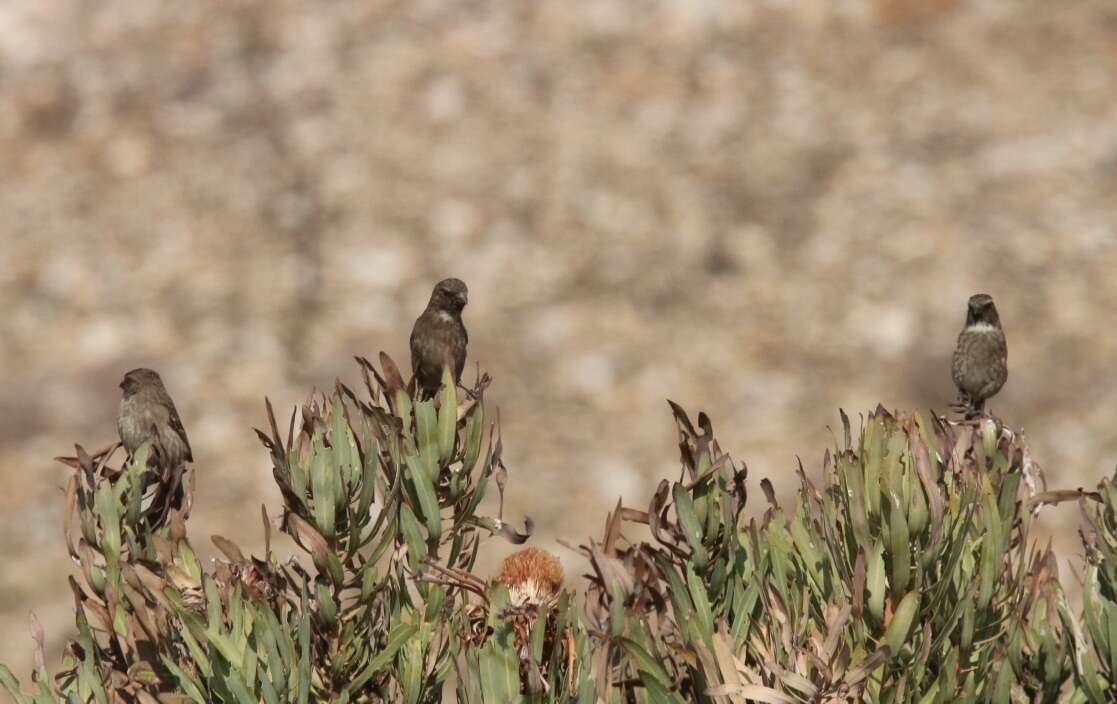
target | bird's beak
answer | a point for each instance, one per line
(464, 299)
(121, 384)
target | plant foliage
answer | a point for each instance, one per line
(909, 573)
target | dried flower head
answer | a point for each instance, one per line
(531, 575)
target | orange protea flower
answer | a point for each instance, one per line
(534, 581)
(533, 576)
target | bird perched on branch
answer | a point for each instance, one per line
(438, 339)
(147, 414)
(980, 365)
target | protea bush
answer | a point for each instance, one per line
(906, 571)
(1097, 673)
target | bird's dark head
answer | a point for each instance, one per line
(449, 295)
(982, 310)
(139, 379)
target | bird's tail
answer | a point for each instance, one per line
(967, 407)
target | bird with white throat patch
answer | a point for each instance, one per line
(980, 363)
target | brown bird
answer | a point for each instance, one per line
(980, 365)
(147, 413)
(438, 339)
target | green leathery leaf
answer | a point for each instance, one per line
(214, 617)
(966, 635)
(426, 426)
(917, 512)
(383, 658)
(899, 547)
(854, 492)
(369, 577)
(700, 491)
(298, 476)
(447, 416)
(404, 411)
(1109, 613)
(1003, 687)
(190, 561)
(806, 550)
(616, 610)
(895, 453)
(875, 581)
(703, 612)
(642, 659)
(192, 687)
(500, 674)
(680, 599)
(989, 438)
(304, 667)
(326, 604)
(268, 691)
(1006, 503)
(343, 446)
(1091, 609)
(474, 430)
(539, 633)
(902, 620)
(657, 690)
(410, 664)
(434, 600)
(457, 482)
(276, 668)
(283, 638)
(428, 500)
(109, 511)
(197, 653)
(990, 560)
(236, 686)
(478, 491)
(334, 569)
(688, 520)
(412, 535)
(874, 456)
(323, 484)
(368, 479)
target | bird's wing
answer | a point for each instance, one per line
(176, 425)
(416, 352)
(958, 364)
(459, 353)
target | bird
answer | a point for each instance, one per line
(147, 414)
(439, 339)
(980, 364)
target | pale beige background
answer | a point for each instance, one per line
(763, 209)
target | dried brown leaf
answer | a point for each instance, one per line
(309, 538)
(859, 582)
(769, 493)
(862, 669)
(1051, 498)
(228, 548)
(267, 532)
(393, 378)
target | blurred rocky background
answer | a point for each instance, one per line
(767, 209)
